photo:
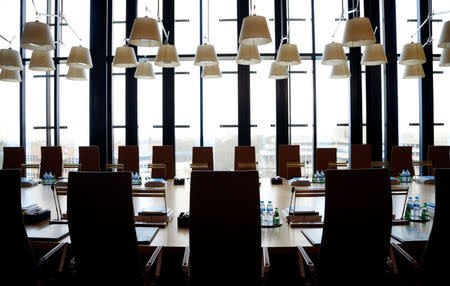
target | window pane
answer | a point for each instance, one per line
(300, 25)
(263, 114)
(267, 9)
(118, 111)
(406, 22)
(77, 14)
(441, 104)
(220, 107)
(223, 32)
(187, 25)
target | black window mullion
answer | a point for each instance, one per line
(23, 6)
(56, 78)
(314, 74)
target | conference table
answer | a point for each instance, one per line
(177, 196)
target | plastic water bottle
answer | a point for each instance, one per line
(409, 208)
(322, 176)
(269, 211)
(408, 176)
(416, 208)
(424, 213)
(262, 209)
(45, 178)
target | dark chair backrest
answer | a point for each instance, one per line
(439, 157)
(244, 155)
(289, 153)
(51, 161)
(163, 155)
(101, 223)
(401, 159)
(360, 156)
(13, 158)
(202, 155)
(357, 227)
(324, 156)
(19, 261)
(434, 270)
(89, 158)
(237, 232)
(129, 157)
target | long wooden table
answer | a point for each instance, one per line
(178, 200)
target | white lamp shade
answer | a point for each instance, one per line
(211, 72)
(254, 31)
(412, 54)
(374, 55)
(444, 39)
(248, 55)
(445, 58)
(144, 70)
(340, 71)
(37, 36)
(167, 56)
(278, 71)
(76, 74)
(125, 57)
(358, 32)
(41, 61)
(334, 54)
(288, 55)
(145, 33)
(413, 71)
(205, 56)
(79, 57)
(10, 60)
(11, 76)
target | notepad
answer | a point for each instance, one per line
(153, 211)
(25, 183)
(314, 235)
(409, 234)
(52, 232)
(300, 182)
(429, 180)
(146, 234)
(155, 183)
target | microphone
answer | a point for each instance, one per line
(290, 203)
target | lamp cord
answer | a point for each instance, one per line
(9, 41)
(166, 33)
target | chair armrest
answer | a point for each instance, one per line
(337, 164)
(404, 254)
(30, 166)
(62, 247)
(156, 257)
(379, 164)
(199, 166)
(114, 166)
(303, 258)
(265, 263)
(71, 166)
(185, 263)
(422, 163)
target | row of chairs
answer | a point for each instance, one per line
(202, 159)
(225, 247)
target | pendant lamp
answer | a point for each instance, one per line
(445, 58)
(167, 56)
(248, 55)
(79, 57)
(334, 54)
(77, 74)
(37, 36)
(145, 33)
(10, 76)
(444, 39)
(211, 72)
(358, 32)
(205, 56)
(413, 71)
(340, 71)
(41, 61)
(288, 55)
(144, 70)
(278, 71)
(374, 55)
(412, 54)
(10, 60)
(254, 31)
(125, 57)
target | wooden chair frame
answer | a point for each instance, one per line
(118, 167)
(159, 166)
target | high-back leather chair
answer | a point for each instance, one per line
(357, 227)
(439, 157)
(163, 155)
(203, 155)
(244, 157)
(19, 259)
(89, 158)
(101, 223)
(401, 159)
(51, 161)
(325, 156)
(235, 234)
(13, 158)
(291, 154)
(361, 156)
(434, 270)
(129, 157)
